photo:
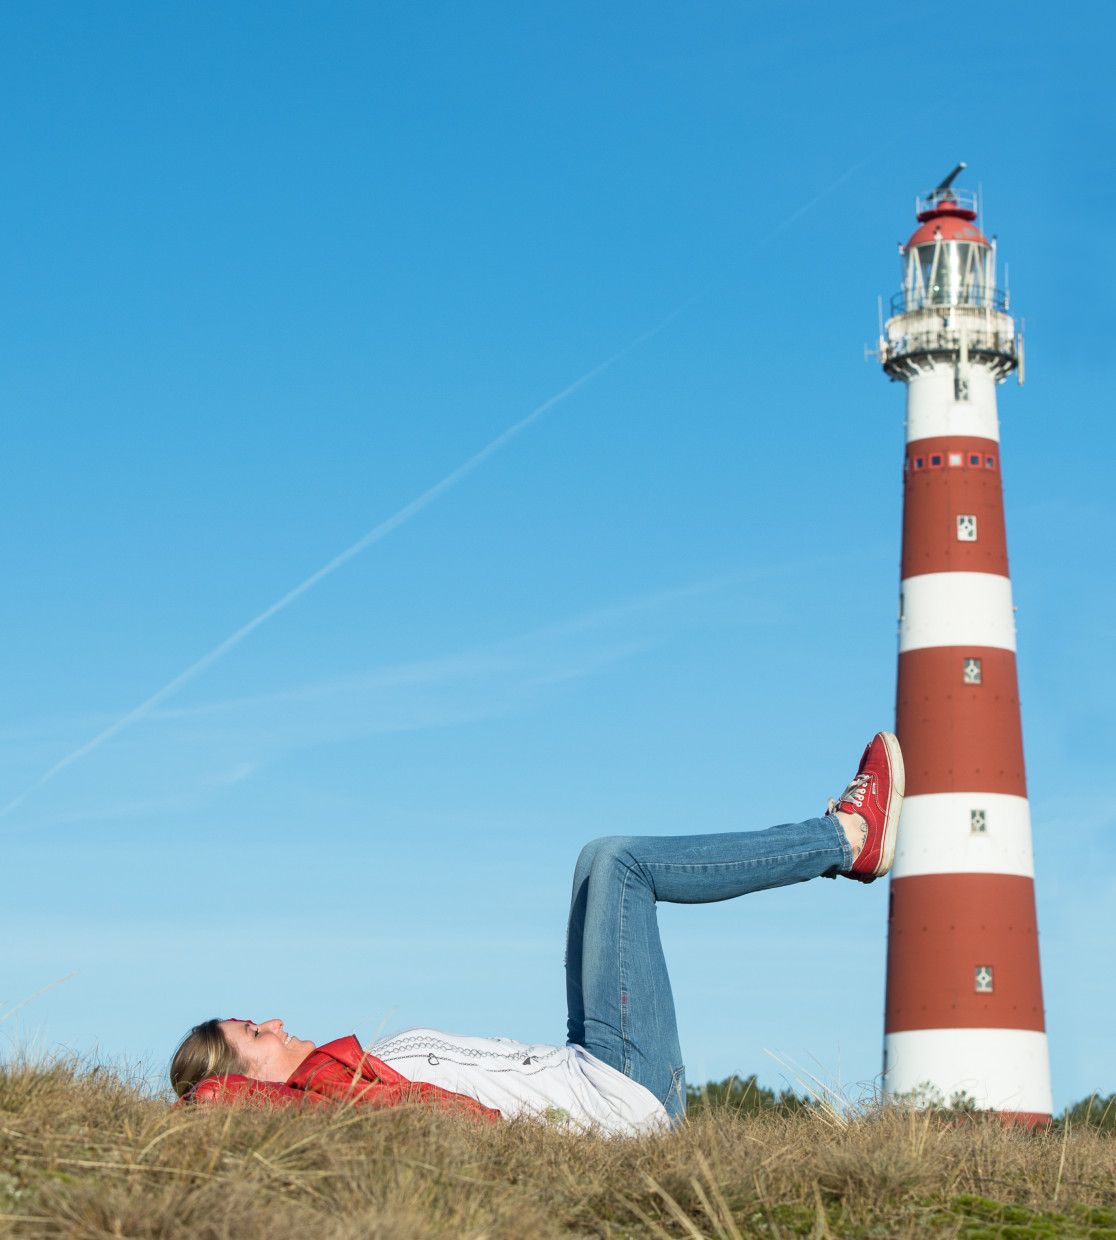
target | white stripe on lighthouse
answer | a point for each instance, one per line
(1002, 1069)
(964, 833)
(933, 410)
(956, 609)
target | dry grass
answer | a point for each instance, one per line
(84, 1154)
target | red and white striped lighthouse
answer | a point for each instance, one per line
(964, 994)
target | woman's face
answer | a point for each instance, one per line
(271, 1053)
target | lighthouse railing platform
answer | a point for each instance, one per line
(937, 199)
(917, 338)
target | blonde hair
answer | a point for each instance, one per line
(204, 1051)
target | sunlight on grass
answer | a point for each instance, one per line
(85, 1153)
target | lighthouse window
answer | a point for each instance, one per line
(955, 459)
(970, 672)
(974, 459)
(984, 979)
(936, 461)
(966, 527)
(978, 821)
(926, 262)
(920, 462)
(989, 462)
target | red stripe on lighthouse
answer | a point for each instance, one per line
(957, 737)
(938, 492)
(942, 929)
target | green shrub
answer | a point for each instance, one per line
(743, 1094)
(1096, 1111)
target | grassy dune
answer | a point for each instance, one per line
(84, 1154)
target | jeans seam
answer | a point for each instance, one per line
(752, 862)
(624, 1039)
(676, 1075)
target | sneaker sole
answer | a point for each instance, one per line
(897, 774)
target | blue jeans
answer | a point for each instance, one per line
(618, 997)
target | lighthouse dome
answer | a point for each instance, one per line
(952, 222)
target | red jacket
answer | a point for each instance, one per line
(337, 1072)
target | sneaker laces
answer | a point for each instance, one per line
(855, 793)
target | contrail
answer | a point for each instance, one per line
(376, 534)
(397, 519)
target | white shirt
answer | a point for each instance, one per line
(562, 1085)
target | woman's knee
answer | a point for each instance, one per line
(606, 848)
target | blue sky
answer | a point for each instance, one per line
(272, 273)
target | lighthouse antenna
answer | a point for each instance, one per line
(944, 185)
(942, 191)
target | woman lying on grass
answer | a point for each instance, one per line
(621, 1068)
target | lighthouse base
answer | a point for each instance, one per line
(998, 1069)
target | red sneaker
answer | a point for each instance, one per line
(876, 794)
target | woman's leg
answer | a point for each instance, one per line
(618, 991)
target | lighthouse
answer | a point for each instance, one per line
(963, 1012)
